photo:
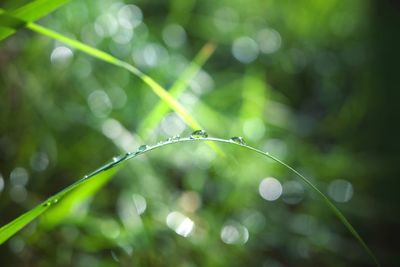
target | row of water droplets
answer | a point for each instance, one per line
(203, 134)
(50, 202)
(197, 134)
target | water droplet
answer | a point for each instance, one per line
(142, 148)
(50, 202)
(117, 159)
(238, 140)
(199, 134)
(174, 138)
(86, 176)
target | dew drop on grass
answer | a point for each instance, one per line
(142, 148)
(199, 134)
(174, 138)
(114, 161)
(50, 202)
(117, 159)
(238, 140)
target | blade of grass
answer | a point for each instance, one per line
(58, 212)
(94, 52)
(17, 224)
(158, 112)
(31, 12)
(14, 226)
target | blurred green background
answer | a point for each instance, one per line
(313, 82)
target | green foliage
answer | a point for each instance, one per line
(88, 185)
(32, 11)
(278, 78)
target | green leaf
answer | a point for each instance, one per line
(75, 197)
(13, 227)
(30, 12)
(65, 199)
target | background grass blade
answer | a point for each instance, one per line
(13, 227)
(158, 112)
(31, 12)
(94, 52)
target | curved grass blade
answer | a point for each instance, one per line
(30, 12)
(104, 173)
(17, 224)
(58, 212)
(14, 226)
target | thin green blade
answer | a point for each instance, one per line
(30, 12)
(155, 87)
(57, 213)
(61, 203)
(94, 52)
(10, 229)
(17, 224)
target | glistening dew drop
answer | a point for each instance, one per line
(199, 134)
